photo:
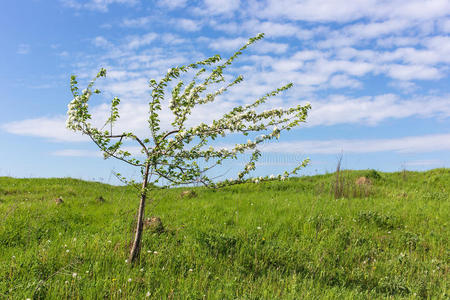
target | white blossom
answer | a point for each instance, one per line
(187, 146)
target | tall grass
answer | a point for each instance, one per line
(345, 185)
(292, 240)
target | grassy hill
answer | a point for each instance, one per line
(275, 240)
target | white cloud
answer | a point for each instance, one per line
(397, 41)
(343, 81)
(77, 153)
(270, 47)
(409, 72)
(136, 22)
(426, 162)
(444, 25)
(411, 144)
(100, 41)
(52, 128)
(363, 39)
(23, 49)
(138, 41)
(187, 24)
(172, 39)
(271, 29)
(98, 5)
(312, 10)
(416, 9)
(287, 65)
(336, 11)
(376, 29)
(217, 7)
(440, 44)
(373, 110)
(332, 111)
(404, 86)
(173, 4)
(225, 44)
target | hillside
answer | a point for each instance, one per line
(274, 240)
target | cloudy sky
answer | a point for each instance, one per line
(375, 72)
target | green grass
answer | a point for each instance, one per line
(275, 240)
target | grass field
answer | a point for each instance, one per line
(274, 240)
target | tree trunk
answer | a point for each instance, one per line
(134, 253)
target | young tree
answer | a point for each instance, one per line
(180, 155)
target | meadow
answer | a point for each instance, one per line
(296, 239)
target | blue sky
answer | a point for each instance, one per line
(375, 72)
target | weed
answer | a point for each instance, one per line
(380, 220)
(291, 241)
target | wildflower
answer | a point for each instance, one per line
(259, 228)
(109, 242)
(74, 275)
(148, 294)
(66, 282)
(142, 270)
(190, 270)
(129, 280)
(155, 252)
(126, 260)
(149, 251)
(67, 251)
(13, 257)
